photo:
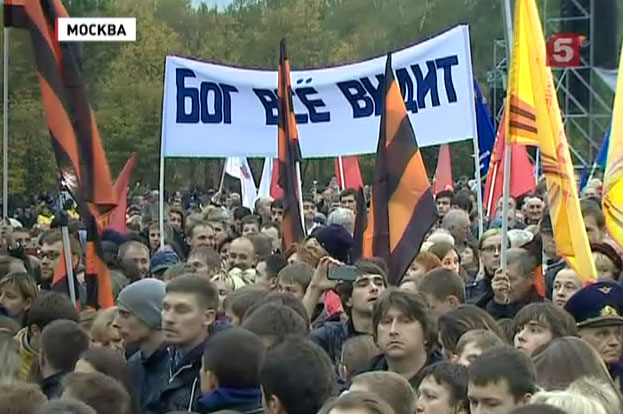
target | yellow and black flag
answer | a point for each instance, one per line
(72, 127)
(289, 154)
(402, 207)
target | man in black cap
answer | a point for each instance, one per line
(598, 311)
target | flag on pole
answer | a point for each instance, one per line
(289, 156)
(352, 173)
(533, 118)
(238, 167)
(402, 208)
(443, 174)
(116, 218)
(73, 130)
(266, 179)
(486, 130)
(613, 177)
(602, 155)
(520, 182)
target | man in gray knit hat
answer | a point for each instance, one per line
(140, 307)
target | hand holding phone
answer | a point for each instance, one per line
(343, 273)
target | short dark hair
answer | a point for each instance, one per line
(210, 256)
(241, 300)
(592, 209)
(299, 273)
(262, 244)
(278, 203)
(281, 299)
(66, 406)
(370, 266)
(441, 283)
(241, 212)
(453, 377)
(53, 236)
(368, 402)
(452, 325)
(504, 363)
(560, 323)
(50, 306)
(462, 200)
(204, 290)
(21, 398)
(300, 374)
(62, 343)
(411, 304)
(99, 391)
(392, 387)
(444, 194)
(243, 371)
(275, 322)
(250, 219)
(274, 263)
(348, 192)
(111, 363)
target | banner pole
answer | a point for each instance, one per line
(300, 194)
(220, 186)
(5, 127)
(478, 187)
(536, 165)
(68, 264)
(341, 166)
(161, 197)
(493, 180)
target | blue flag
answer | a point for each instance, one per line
(584, 178)
(486, 130)
(602, 156)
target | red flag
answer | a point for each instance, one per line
(275, 191)
(115, 219)
(522, 177)
(352, 173)
(443, 173)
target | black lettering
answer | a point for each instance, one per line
(407, 90)
(72, 29)
(376, 92)
(269, 101)
(357, 97)
(217, 116)
(304, 95)
(227, 90)
(446, 64)
(182, 93)
(426, 84)
(121, 31)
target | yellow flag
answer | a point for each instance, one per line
(535, 119)
(613, 179)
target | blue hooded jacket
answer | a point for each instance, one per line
(245, 401)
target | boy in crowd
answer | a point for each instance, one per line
(139, 321)
(357, 298)
(267, 271)
(204, 261)
(444, 201)
(443, 289)
(101, 392)
(273, 322)
(230, 373)
(62, 343)
(188, 313)
(276, 211)
(297, 377)
(539, 323)
(443, 390)
(238, 302)
(356, 353)
(499, 381)
(46, 308)
(405, 333)
(473, 344)
(250, 225)
(389, 386)
(294, 279)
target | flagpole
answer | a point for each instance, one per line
(220, 186)
(507, 152)
(478, 187)
(5, 127)
(536, 165)
(341, 166)
(300, 194)
(492, 188)
(68, 264)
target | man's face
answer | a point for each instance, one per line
(566, 283)
(175, 220)
(184, 321)
(249, 228)
(492, 398)
(471, 351)
(241, 254)
(291, 288)
(131, 329)
(203, 236)
(366, 290)
(309, 210)
(606, 340)
(262, 278)
(595, 234)
(263, 207)
(534, 210)
(434, 398)
(140, 257)
(520, 284)
(349, 202)
(490, 253)
(49, 255)
(177, 204)
(549, 244)
(461, 230)
(443, 205)
(198, 265)
(220, 232)
(154, 238)
(400, 335)
(590, 192)
(273, 233)
(23, 238)
(276, 214)
(532, 335)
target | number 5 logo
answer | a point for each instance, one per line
(563, 50)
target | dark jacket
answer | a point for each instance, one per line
(331, 337)
(500, 311)
(379, 363)
(180, 388)
(478, 291)
(52, 386)
(552, 267)
(147, 374)
(244, 401)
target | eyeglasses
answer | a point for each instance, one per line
(492, 249)
(52, 255)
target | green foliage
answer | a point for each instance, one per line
(125, 80)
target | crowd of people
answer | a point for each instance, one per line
(222, 318)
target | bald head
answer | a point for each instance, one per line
(456, 221)
(533, 210)
(242, 254)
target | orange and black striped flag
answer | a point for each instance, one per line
(402, 207)
(289, 156)
(72, 127)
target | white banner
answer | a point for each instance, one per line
(212, 110)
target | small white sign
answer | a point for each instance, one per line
(96, 29)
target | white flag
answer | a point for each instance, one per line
(238, 167)
(267, 177)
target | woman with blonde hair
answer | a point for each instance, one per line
(569, 402)
(17, 293)
(103, 331)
